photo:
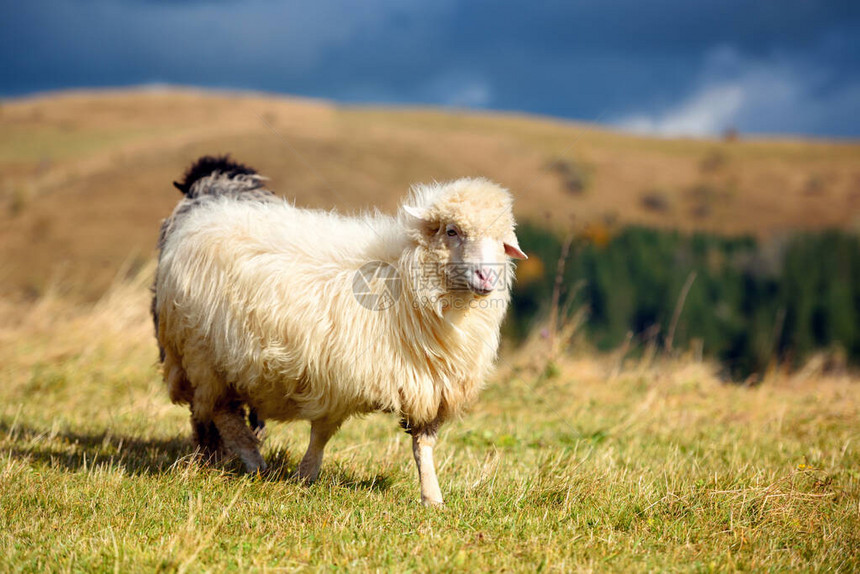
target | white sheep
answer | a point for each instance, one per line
(306, 314)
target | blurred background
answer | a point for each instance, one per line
(687, 174)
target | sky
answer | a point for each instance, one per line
(663, 67)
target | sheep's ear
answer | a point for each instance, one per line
(423, 222)
(512, 248)
(415, 212)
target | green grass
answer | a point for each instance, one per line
(661, 468)
(26, 143)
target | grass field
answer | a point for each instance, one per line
(593, 465)
(585, 463)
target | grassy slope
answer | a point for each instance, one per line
(85, 177)
(646, 467)
(659, 467)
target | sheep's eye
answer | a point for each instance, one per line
(452, 231)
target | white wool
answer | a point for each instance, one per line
(255, 301)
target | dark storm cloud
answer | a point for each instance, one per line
(666, 66)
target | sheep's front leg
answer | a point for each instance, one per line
(238, 437)
(207, 440)
(321, 431)
(423, 441)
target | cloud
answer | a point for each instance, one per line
(470, 95)
(707, 112)
(784, 65)
(778, 95)
(459, 90)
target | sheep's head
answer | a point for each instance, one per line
(466, 228)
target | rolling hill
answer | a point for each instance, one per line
(85, 177)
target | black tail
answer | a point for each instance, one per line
(207, 165)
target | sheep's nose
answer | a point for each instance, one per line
(484, 276)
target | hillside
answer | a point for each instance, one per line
(85, 176)
(637, 459)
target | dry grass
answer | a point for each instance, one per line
(85, 177)
(599, 464)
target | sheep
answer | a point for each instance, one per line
(306, 314)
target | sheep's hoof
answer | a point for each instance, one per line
(260, 470)
(253, 464)
(431, 502)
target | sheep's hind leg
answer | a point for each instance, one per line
(238, 437)
(321, 432)
(423, 441)
(257, 424)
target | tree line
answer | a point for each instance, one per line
(748, 304)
